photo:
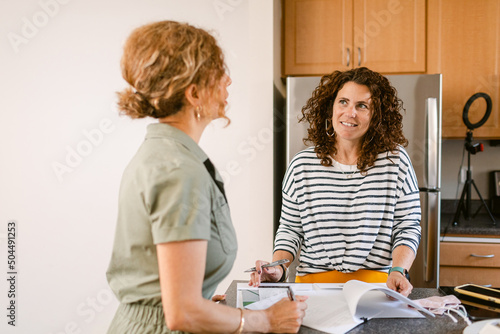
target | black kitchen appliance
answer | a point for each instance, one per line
(495, 192)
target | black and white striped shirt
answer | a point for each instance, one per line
(346, 224)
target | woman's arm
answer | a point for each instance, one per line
(288, 237)
(407, 213)
(403, 257)
(182, 266)
(406, 229)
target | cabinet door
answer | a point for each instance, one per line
(389, 35)
(464, 45)
(317, 36)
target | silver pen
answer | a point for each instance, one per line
(272, 264)
(291, 295)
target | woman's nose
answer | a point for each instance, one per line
(352, 112)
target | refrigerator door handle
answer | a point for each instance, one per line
(433, 143)
(431, 178)
(431, 243)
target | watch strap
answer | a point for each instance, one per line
(401, 270)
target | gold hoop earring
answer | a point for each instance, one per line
(327, 127)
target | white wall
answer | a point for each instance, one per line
(59, 73)
(482, 164)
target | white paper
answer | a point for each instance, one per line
(264, 296)
(327, 311)
(366, 300)
(333, 308)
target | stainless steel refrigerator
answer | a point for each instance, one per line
(421, 95)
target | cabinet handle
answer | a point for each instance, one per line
(348, 57)
(488, 256)
(359, 56)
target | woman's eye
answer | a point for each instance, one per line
(362, 106)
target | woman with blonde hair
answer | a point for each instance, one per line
(174, 240)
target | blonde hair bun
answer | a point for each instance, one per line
(160, 60)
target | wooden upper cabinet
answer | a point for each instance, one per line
(321, 36)
(464, 45)
(317, 36)
(390, 35)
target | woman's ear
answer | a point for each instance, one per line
(192, 95)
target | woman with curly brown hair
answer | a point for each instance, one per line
(174, 240)
(350, 202)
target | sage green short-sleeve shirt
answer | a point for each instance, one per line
(166, 195)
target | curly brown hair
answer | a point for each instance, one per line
(160, 60)
(386, 128)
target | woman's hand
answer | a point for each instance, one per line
(218, 298)
(286, 316)
(399, 283)
(269, 274)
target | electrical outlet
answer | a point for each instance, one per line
(463, 174)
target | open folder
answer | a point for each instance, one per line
(335, 308)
